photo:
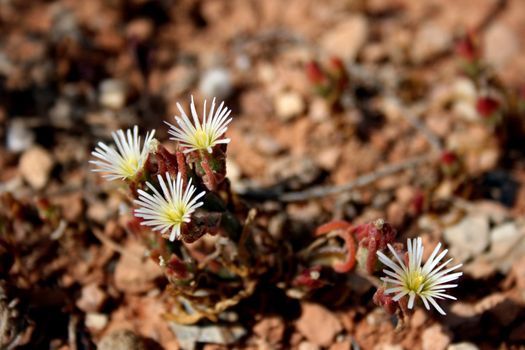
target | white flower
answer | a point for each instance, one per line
(201, 135)
(428, 282)
(125, 161)
(169, 210)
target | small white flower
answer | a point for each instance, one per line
(428, 281)
(169, 210)
(201, 135)
(125, 161)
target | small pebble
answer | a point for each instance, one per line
(112, 94)
(288, 105)
(216, 82)
(35, 165)
(19, 137)
(96, 321)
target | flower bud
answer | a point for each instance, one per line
(489, 109)
(338, 73)
(372, 237)
(468, 48)
(469, 52)
(314, 73)
(450, 163)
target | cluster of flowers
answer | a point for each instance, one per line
(168, 204)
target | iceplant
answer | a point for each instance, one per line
(127, 160)
(428, 282)
(201, 135)
(171, 209)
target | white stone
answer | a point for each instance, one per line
(19, 137)
(35, 166)
(60, 113)
(112, 93)
(288, 105)
(464, 89)
(216, 82)
(388, 347)
(319, 111)
(508, 245)
(462, 346)
(96, 321)
(500, 45)
(346, 38)
(429, 41)
(465, 110)
(435, 338)
(305, 345)
(469, 237)
(465, 94)
(503, 238)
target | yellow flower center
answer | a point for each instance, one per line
(201, 139)
(129, 167)
(175, 214)
(414, 280)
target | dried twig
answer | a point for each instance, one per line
(410, 116)
(322, 191)
(114, 245)
(492, 14)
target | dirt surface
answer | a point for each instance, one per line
(71, 72)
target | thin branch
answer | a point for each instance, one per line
(114, 245)
(492, 14)
(410, 116)
(322, 191)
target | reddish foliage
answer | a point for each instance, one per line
(448, 157)
(176, 268)
(331, 226)
(209, 179)
(379, 231)
(167, 161)
(314, 73)
(487, 106)
(344, 230)
(309, 278)
(374, 236)
(351, 248)
(417, 204)
(181, 164)
(338, 71)
(468, 47)
(385, 301)
(337, 64)
(134, 227)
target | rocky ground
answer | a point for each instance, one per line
(73, 71)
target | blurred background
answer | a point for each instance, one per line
(322, 92)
